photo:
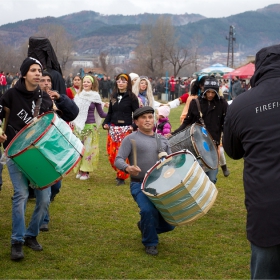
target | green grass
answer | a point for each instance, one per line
(93, 233)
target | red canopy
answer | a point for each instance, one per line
(244, 72)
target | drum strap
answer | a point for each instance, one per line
(37, 106)
(161, 152)
(200, 113)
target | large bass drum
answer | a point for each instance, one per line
(179, 188)
(199, 142)
(45, 150)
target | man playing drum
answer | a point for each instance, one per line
(17, 106)
(151, 223)
(213, 109)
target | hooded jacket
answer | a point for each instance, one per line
(252, 132)
(213, 114)
(21, 103)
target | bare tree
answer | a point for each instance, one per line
(178, 57)
(103, 60)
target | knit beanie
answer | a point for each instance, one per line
(24, 68)
(133, 76)
(211, 83)
(164, 111)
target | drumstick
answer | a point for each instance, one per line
(134, 151)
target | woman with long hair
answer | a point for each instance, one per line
(123, 102)
(143, 90)
(87, 123)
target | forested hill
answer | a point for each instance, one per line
(93, 31)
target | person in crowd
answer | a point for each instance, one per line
(236, 87)
(143, 90)
(3, 83)
(163, 125)
(26, 92)
(251, 132)
(41, 49)
(9, 80)
(46, 85)
(172, 87)
(87, 123)
(177, 89)
(69, 80)
(151, 223)
(160, 88)
(118, 122)
(213, 109)
(74, 89)
(106, 85)
(111, 83)
(133, 77)
(196, 88)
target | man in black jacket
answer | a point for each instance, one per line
(252, 132)
(213, 108)
(20, 102)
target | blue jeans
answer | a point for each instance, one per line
(20, 184)
(54, 191)
(152, 223)
(265, 262)
(212, 174)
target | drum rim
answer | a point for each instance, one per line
(185, 151)
(196, 149)
(36, 140)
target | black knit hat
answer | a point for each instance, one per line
(211, 83)
(141, 111)
(27, 63)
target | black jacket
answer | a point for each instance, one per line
(252, 132)
(213, 116)
(120, 113)
(22, 103)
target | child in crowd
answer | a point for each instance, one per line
(163, 125)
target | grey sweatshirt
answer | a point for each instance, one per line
(147, 151)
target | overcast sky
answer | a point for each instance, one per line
(15, 10)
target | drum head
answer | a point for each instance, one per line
(30, 134)
(165, 176)
(204, 146)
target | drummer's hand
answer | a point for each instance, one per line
(3, 138)
(106, 126)
(133, 170)
(54, 95)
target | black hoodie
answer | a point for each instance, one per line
(21, 103)
(252, 132)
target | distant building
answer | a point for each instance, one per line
(82, 64)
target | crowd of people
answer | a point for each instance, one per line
(136, 113)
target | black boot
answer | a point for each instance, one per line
(16, 251)
(225, 170)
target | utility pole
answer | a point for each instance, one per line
(231, 38)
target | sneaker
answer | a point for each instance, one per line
(44, 227)
(31, 242)
(85, 176)
(16, 251)
(78, 176)
(151, 250)
(120, 182)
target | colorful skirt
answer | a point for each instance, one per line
(114, 139)
(90, 138)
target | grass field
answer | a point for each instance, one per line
(93, 233)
